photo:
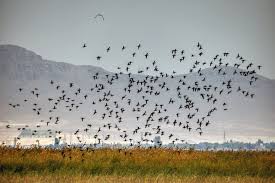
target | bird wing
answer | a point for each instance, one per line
(99, 15)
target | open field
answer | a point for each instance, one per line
(134, 165)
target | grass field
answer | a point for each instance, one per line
(134, 165)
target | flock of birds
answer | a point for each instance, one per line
(146, 99)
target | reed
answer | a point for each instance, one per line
(135, 163)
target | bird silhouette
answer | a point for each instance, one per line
(99, 16)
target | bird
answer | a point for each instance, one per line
(108, 49)
(98, 57)
(99, 15)
(146, 55)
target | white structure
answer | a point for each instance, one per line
(30, 137)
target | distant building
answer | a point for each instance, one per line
(30, 137)
(260, 145)
(56, 142)
(157, 141)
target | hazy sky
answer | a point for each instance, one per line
(57, 29)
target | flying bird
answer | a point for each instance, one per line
(99, 15)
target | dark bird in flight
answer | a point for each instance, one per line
(108, 49)
(99, 16)
(146, 55)
(98, 57)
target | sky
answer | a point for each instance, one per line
(56, 30)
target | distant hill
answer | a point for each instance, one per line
(246, 118)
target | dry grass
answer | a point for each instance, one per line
(127, 179)
(134, 165)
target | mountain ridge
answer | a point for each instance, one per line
(14, 49)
